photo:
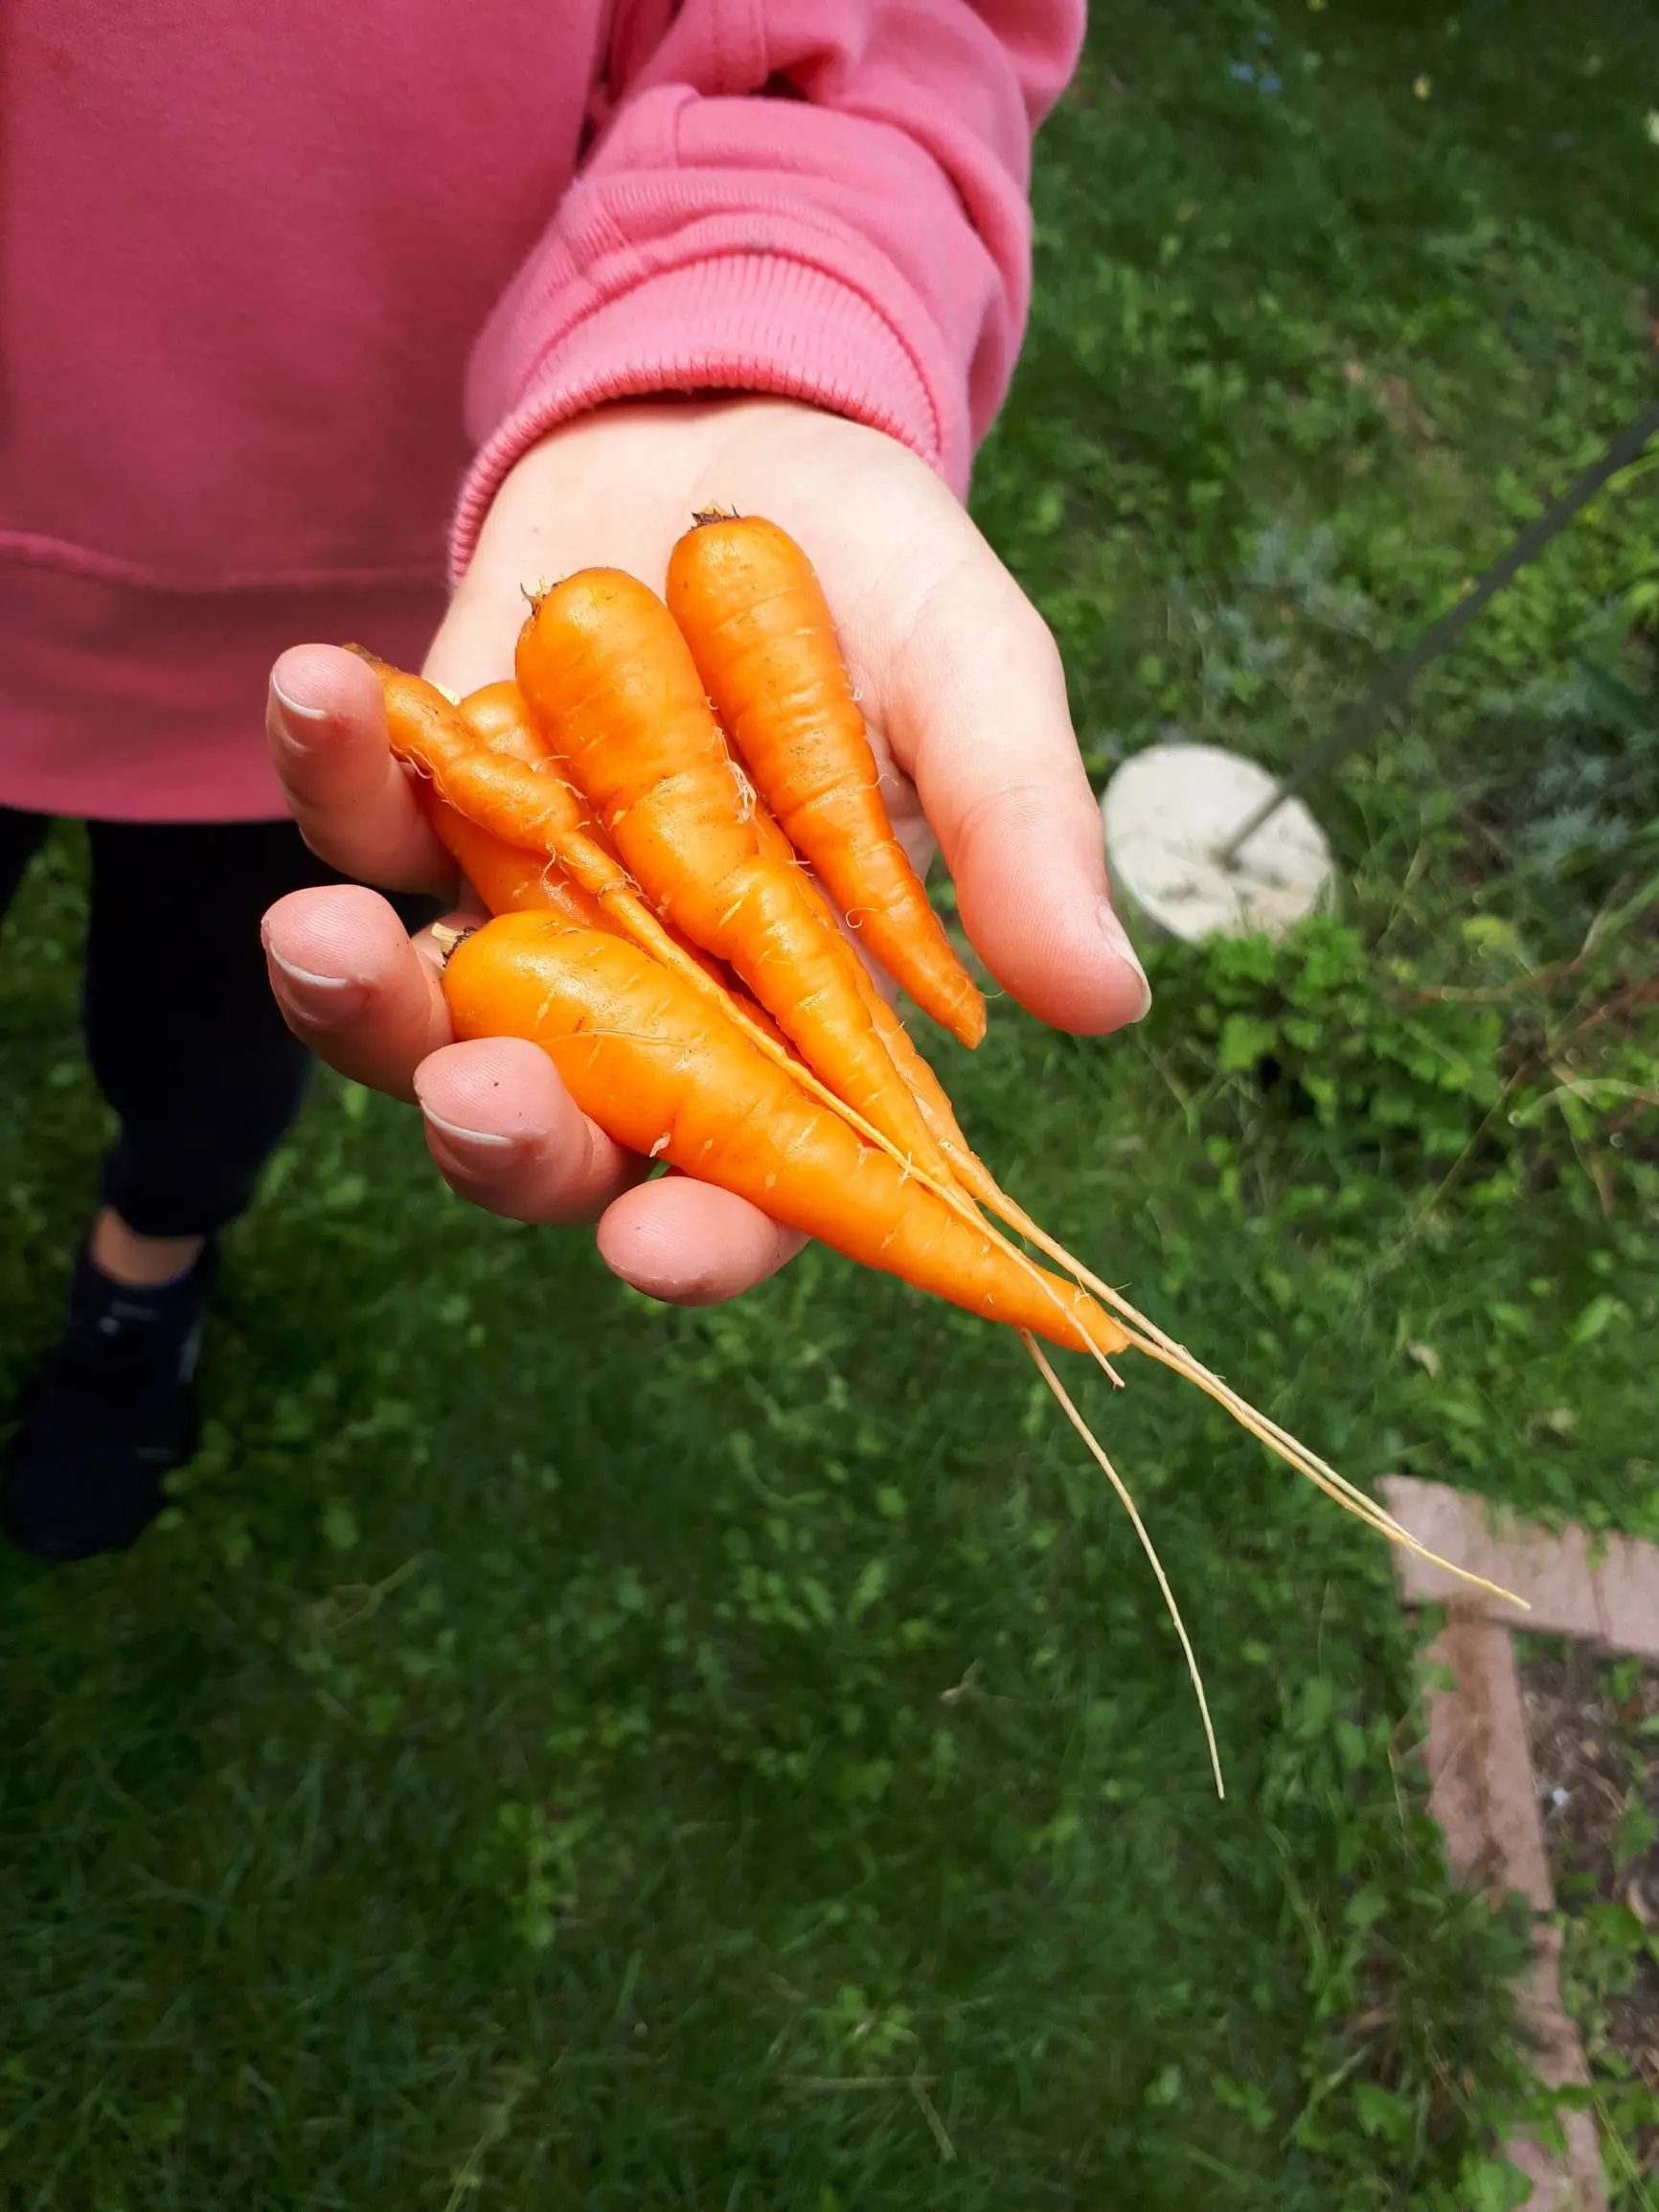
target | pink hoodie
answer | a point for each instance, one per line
(286, 286)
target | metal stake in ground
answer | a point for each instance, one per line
(1394, 686)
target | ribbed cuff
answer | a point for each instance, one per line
(751, 322)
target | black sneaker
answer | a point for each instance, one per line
(111, 1413)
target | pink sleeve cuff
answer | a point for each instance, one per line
(755, 321)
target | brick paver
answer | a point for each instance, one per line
(1603, 1590)
(1551, 1571)
(1482, 1789)
(1574, 2183)
(1484, 1795)
(1626, 1588)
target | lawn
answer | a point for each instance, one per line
(559, 1751)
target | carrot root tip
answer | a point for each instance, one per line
(1057, 1391)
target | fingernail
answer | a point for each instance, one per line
(1117, 938)
(468, 1140)
(340, 994)
(293, 707)
(296, 723)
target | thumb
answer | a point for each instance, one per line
(982, 724)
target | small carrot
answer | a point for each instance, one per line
(523, 805)
(763, 640)
(508, 879)
(516, 801)
(498, 714)
(519, 807)
(611, 683)
(641, 1056)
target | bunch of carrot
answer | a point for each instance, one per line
(669, 815)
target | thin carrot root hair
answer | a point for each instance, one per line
(1097, 1452)
(1146, 1337)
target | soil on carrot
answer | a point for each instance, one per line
(1593, 1726)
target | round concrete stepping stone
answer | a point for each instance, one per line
(1167, 812)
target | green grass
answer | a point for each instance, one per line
(559, 1751)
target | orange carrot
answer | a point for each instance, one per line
(611, 683)
(639, 1054)
(498, 714)
(763, 640)
(924, 1086)
(508, 879)
(521, 803)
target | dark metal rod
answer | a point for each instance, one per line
(1357, 723)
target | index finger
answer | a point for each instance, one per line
(354, 804)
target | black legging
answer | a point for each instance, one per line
(182, 1032)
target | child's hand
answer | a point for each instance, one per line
(964, 693)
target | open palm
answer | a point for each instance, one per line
(964, 698)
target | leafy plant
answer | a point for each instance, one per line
(1320, 1026)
